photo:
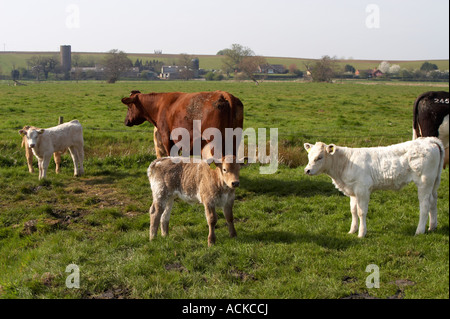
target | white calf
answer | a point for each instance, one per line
(44, 142)
(358, 171)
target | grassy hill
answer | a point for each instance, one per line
(9, 60)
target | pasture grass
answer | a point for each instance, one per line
(292, 229)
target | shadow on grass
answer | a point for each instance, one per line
(105, 177)
(326, 241)
(279, 187)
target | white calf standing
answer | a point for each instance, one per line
(358, 171)
(44, 142)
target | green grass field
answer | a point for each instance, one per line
(292, 229)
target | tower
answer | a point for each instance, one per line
(66, 59)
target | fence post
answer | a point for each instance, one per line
(60, 120)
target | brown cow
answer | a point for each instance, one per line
(167, 111)
(214, 187)
(29, 152)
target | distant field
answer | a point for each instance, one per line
(292, 240)
(18, 59)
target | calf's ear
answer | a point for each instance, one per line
(22, 132)
(41, 131)
(331, 149)
(307, 147)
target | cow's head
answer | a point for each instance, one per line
(135, 109)
(318, 157)
(32, 135)
(229, 170)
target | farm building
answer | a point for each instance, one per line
(169, 72)
(272, 69)
(370, 73)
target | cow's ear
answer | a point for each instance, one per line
(307, 147)
(41, 131)
(129, 100)
(22, 132)
(331, 149)
(134, 92)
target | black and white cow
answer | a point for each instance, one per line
(430, 117)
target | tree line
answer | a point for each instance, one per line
(238, 62)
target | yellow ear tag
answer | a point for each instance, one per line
(308, 150)
(212, 165)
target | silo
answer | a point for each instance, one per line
(66, 59)
(195, 64)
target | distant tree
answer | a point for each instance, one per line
(41, 64)
(349, 68)
(427, 67)
(116, 63)
(292, 68)
(222, 52)
(234, 56)
(249, 65)
(394, 69)
(15, 74)
(185, 66)
(384, 67)
(324, 70)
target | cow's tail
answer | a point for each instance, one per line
(441, 163)
(416, 126)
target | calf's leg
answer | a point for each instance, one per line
(354, 211)
(362, 204)
(57, 158)
(165, 217)
(155, 211)
(211, 218)
(43, 166)
(29, 156)
(228, 212)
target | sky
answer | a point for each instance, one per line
(359, 29)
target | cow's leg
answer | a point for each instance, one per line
(354, 211)
(80, 159)
(211, 217)
(44, 166)
(156, 211)
(362, 204)
(427, 201)
(165, 217)
(159, 147)
(446, 158)
(433, 211)
(40, 167)
(57, 158)
(228, 212)
(424, 201)
(29, 156)
(75, 158)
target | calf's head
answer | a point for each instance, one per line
(135, 109)
(230, 169)
(318, 157)
(32, 135)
